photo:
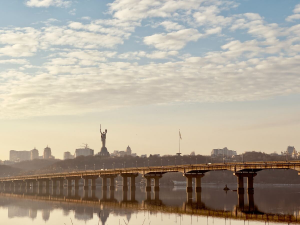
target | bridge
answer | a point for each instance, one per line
(192, 171)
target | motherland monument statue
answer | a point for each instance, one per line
(103, 151)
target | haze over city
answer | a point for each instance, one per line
(226, 73)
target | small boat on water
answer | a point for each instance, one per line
(226, 188)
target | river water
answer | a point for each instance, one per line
(270, 204)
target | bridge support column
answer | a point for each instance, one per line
(198, 182)
(86, 184)
(112, 183)
(156, 177)
(76, 186)
(40, 187)
(104, 183)
(34, 186)
(250, 188)
(54, 184)
(148, 184)
(69, 187)
(125, 185)
(132, 177)
(93, 184)
(47, 186)
(240, 182)
(189, 182)
(132, 183)
(61, 184)
(24, 186)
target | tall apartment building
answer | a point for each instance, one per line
(34, 154)
(47, 153)
(68, 155)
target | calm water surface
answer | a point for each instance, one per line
(268, 205)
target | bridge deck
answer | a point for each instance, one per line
(185, 169)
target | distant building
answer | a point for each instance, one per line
(47, 153)
(144, 156)
(18, 156)
(128, 150)
(84, 151)
(290, 150)
(68, 155)
(225, 152)
(34, 154)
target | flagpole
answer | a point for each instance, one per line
(179, 141)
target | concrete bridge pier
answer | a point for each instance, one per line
(112, 195)
(104, 194)
(34, 186)
(148, 184)
(148, 195)
(240, 182)
(104, 183)
(241, 201)
(61, 184)
(93, 183)
(156, 178)
(125, 183)
(23, 186)
(251, 202)
(189, 181)
(76, 186)
(69, 187)
(86, 184)
(40, 186)
(47, 187)
(16, 186)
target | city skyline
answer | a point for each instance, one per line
(226, 73)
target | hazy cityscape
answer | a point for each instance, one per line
(149, 112)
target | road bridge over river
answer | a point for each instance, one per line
(196, 171)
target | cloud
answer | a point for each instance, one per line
(14, 61)
(48, 3)
(19, 42)
(174, 40)
(152, 55)
(209, 16)
(169, 25)
(116, 84)
(296, 15)
(81, 69)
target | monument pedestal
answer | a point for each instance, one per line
(104, 152)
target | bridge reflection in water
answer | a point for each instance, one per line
(151, 202)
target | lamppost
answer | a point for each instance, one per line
(161, 162)
(196, 161)
(94, 166)
(85, 167)
(103, 166)
(114, 165)
(124, 164)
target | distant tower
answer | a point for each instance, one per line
(34, 154)
(128, 150)
(47, 153)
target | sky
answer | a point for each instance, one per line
(224, 72)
